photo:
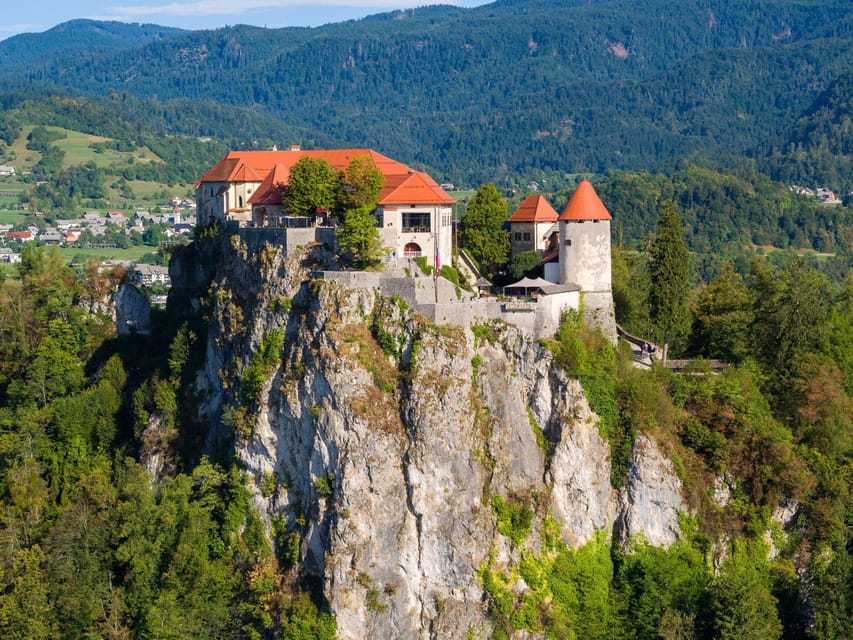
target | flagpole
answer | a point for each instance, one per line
(435, 242)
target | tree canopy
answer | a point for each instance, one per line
(481, 231)
(313, 186)
(669, 262)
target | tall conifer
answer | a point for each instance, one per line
(668, 274)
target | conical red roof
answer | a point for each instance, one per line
(585, 205)
(535, 208)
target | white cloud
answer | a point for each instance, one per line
(198, 8)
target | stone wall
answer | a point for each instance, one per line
(437, 300)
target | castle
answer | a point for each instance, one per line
(414, 214)
(414, 219)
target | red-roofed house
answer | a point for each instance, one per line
(414, 214)
(530, 224)
(20, 236)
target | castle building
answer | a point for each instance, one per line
(583, 257)
(531, 224)
(414, 214)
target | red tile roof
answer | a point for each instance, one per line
(253, 166)
(270, 190)
(403, 186)
(535, 208)
(585, 205)
(413, 188)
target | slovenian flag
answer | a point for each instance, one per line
(437, 262)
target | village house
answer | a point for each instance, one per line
(51, 236)
(9, 256)
(117, 218)
(414, 214)
(20, 236)
(6, 170)
(148, 274)
(73, 235)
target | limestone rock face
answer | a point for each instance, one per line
(583, 501)
(650, 503)
(132, 311)
(379, 439)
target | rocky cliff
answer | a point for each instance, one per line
(378, 441)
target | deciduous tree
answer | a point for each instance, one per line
(358, 236)
(722, 319)
(481, 230)
(313, 185)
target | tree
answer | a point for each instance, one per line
(792, 314)
(481, 230)
(722, 319)
(314, 185)
(743, 607)
(669, 262)
(358, 237)
(361, 184)
(525, 263)
(25, 608)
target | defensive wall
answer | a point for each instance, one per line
(290, 240)
(437, 299)
(441, 302)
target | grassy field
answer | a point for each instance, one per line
(19, 156)
(12, 217)
(78, 150)
(151, 191)
(462, 196)
(131, 253)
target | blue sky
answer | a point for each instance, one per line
(20, 16)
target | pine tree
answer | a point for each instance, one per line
(668, 275)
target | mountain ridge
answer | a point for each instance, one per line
(78, 37)
(539, 88)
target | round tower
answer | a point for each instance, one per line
(585, 256)
(585, 241)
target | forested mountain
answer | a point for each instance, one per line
(77, 40)
(511, 88)
(818, 148)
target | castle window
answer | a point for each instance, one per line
(527, 236)
(416, 222)
(518, 236)
(568, 242)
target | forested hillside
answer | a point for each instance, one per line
(539, 89)
(818, 147)
(95, 543)
(77, 41)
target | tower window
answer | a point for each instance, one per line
(527, 236)
(518, 236)
(568, 242)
